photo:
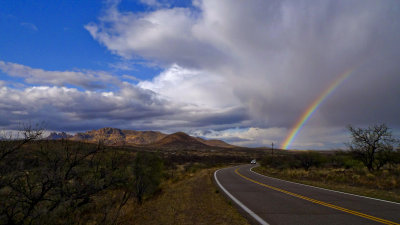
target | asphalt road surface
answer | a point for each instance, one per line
(272, 201)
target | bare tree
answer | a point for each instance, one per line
(371, 145)
(62, 182)
(9, 142)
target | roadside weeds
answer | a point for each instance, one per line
(193, 200)
(327, 182)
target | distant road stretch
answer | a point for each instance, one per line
(272, 201)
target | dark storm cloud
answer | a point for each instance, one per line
(68, 107)
(231, 117)
(131, 107)
(277, 56)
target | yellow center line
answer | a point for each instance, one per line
(320, 202)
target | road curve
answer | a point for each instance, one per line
(272, 201)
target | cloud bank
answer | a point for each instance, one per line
(84, 79)
(251, 65)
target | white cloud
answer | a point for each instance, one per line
(86, 79)
(164, 35)
(271, 53)
(271, 58)
(328, 138)
(194, 87)
(101, 99)
(30, 26)
(130, 77)
(153, 3)
(130, 107)
(68, 105)
(252, 136)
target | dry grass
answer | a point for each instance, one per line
(192, 200)
(384, 185)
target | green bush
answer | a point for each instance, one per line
(310, 159)
(303, 160)
(280, 162)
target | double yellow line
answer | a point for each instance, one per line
(320, 202)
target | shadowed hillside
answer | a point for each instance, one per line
(215, 143)
(180, 140)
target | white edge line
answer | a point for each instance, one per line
(251, 213)
(251, 169)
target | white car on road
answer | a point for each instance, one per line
(253, 161)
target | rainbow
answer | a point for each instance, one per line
(312, 108)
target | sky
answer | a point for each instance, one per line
(241, 71)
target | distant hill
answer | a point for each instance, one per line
(58, 136)
(115, 136)
(143, 137)
(215, 143)
(180, 140)
(112, 136)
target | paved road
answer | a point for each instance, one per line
(272, 201)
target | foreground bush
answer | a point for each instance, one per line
(65, 182)
(60, 182)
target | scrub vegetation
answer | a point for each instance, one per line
(72, 182)
(370, 168)
(190, 199)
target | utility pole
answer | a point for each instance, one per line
(272, 148)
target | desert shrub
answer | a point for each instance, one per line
(370, 176)
(64, 182)
(338, 159)
(310, 159)
(303, 160)
(148, 172)
(352, 163)
(394, 159)
(194, 167)
(280, 161)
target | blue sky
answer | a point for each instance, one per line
(51, 35)
(239, 71)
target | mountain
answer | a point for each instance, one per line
(180, 139)
(112, 136)
(58, 136)
(143, 137)
(115, 136)
(108, 135)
